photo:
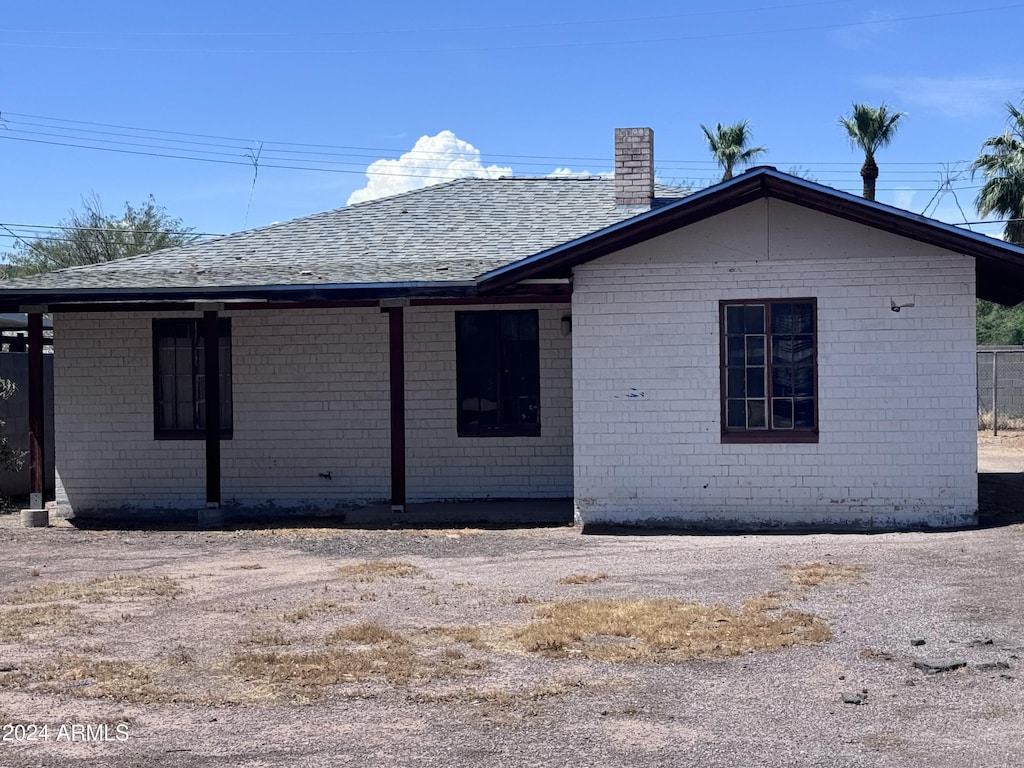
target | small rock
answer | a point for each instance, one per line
(1006, 677)
(7, 667)
(977, 643)
(841, 677)
(935, 667)
(909, 682)
(917, 641)
(854, 698)
(992, 666)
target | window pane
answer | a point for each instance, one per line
(734, 351)
(755, 382)
(804, 413)
(803, 348)
(755, 350)
(753, 318)
(527, 326)
(756, 414)
(792, 318)
(736, 413)
(734, 319)
(782, 413)
(782, 381)
(735, 386)
(803, 381)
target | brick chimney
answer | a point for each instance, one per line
(634, 166)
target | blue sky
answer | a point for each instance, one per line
(533, 86)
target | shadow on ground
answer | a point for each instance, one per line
(1000, 498)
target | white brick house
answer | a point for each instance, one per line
(764, 352)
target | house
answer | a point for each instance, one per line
(764, 352)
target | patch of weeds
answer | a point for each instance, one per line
(375, 570)
(367, 633)
(18, 624)
(100, 589)
(637, 630)
(81, 677)
(467, 634)
(368, 597)
(265, 637)
(583, 578)
(522, 600)
(179, 655)
(244, 567)
(311, 610)
(308, 674)
(816, 574)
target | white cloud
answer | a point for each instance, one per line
(950, 96)
(569, 173)
(432, 160)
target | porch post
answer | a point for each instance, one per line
(36, 421)
(211, 348)
(396, 346)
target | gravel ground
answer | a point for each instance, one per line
(961, 592)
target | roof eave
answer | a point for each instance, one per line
(1000, 265)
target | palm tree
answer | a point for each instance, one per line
(728, 144)
(870, 129)
(1002, 164)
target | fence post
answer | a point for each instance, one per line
(995, 394)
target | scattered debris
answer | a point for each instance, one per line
(979, 643)
(916, 642)
(855, 698)
(935, 667)
(992, 666)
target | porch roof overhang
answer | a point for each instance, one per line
(1000, 265)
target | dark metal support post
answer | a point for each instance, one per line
(36, 420)
(211, 367)
(396, 343)
(995, 394)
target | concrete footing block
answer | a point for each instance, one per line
(35, 518)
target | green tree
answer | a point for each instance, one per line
(10, 458)
(729, 146)
(1001, 162)
(91, 237)
(870, 129)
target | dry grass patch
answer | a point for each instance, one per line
(367, 633)
(636, 630)
(244, 567)
(311, 610)
(375, 570)
(583, 578)
(816, 574)
(81, 677)
(308, 674)
(265, 638)
(100, 589)
(18, 624)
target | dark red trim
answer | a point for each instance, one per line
(36, 400)
(211, 350)
(753, 436)
(563, 297)
(396, 346)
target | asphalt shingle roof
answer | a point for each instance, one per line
(450, 232)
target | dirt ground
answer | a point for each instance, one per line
(327, 647)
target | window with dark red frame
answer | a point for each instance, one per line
(179, 380)
(769, 370)
(498, 369)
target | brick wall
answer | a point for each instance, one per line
(310, 391)
(896, 390)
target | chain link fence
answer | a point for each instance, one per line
(1000, 388)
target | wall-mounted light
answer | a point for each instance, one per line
(904, 302)
(566, 325)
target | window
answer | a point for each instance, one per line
(769, 371)
(179, 381)
(498, 362)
